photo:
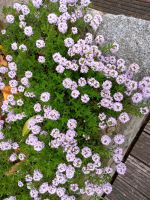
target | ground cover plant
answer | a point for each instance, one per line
(64, 95)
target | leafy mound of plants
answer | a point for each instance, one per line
(64, 94)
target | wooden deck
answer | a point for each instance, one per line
(135, 8)
(135, 185)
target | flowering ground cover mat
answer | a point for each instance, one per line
(64, 96)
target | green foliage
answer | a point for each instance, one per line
(106, 48)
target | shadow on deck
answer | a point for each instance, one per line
(136, 182)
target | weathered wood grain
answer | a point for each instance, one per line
(124, 191)
(136, 8)
(142, 149)
(127, 5)
(136, 182)
(137, 176)
(147, 128)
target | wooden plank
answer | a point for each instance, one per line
(147, 128)
(141, 149)
(144, 3)
(119, 10)
(123, 6)
(106, 9)
(123, 191)
(115, 8)
(128, 4)
(138, 176)
(140, 2)
(147, 132)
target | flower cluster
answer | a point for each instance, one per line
(60, 92)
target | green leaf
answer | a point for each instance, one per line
(25, 129)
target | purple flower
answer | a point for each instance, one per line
(37, 175)
(74, 30)
(118, 96)
(69, 42)
(107, 85)
(106, 140)
(119, 139)
(102, 116)
(86, 152)
(121, 168)
(40, 44)
(60, 69)
(134, 68)
(144, 110)
(45, 96)
(107, 188)
(20, 184)
(34, 193)
(63, 27)
(10, 19)
(124, 117)
(137, 98)
(117, 107)
(72, 124)
(28, 31)
(111, 122)
(41, 59)
(75, 94)
(37, 3)
(52, 18)
(13, 157)
(21, 156)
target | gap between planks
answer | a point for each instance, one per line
(141, 150)
(134, 185)
(108, 7)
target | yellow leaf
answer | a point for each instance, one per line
(3, 62)
(1, 47)
(13, 169)
(25, 129)
(6, 92)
